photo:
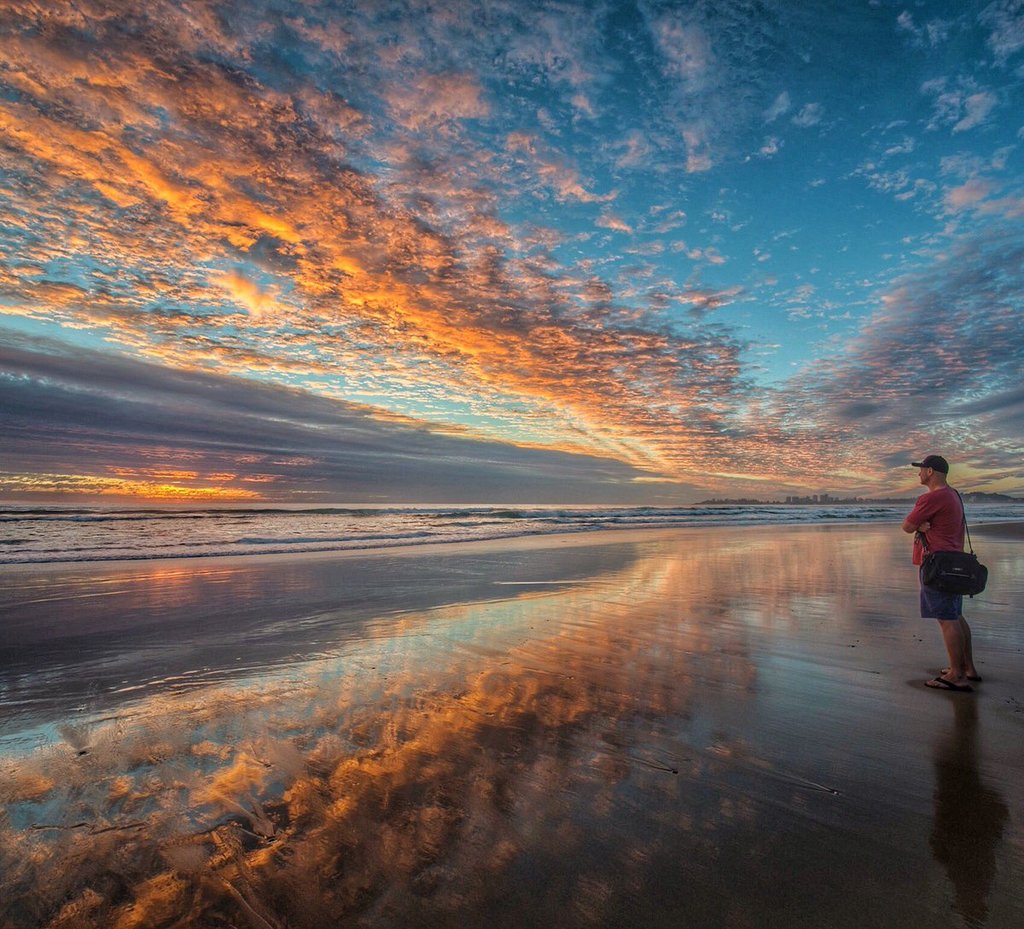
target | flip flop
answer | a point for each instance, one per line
(971, 677)
(940, 683)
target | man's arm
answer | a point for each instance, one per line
(919, 518)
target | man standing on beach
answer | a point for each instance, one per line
(937, 522)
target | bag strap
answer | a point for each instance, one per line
(963, 509)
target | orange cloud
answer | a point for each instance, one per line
(241, 290)
(121, 486)
(355, 290)
(433, 99)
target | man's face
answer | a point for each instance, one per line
(924, 475)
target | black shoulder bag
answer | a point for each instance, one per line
(955, 572)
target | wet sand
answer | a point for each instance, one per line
(703, 728)
(1009, 530)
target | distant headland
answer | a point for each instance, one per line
(974, 496)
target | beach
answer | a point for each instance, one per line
(709, 727)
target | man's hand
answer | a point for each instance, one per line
(908, 526)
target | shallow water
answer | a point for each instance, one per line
(725, 729)
(84, 639)
(44, 535)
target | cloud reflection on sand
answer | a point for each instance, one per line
(579, 752)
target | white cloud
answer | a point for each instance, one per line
(948, 107)
(437, 98)
(636, 150)
(932, 33)
(976, 109)
(581, 104)
(963, 107)
(1011, 208)
(610, 221)
(565, 181)
(553, 171)
(709, 255)
(1006, 20)
(810, 115)
(558, 42)
(969, 194)
(670, 222)
(780, 107)
(686, 50)
(698, 154)
(961, 164)
(938, 31)
(1001, 156)
(901, 148)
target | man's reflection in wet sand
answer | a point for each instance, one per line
(969, 816)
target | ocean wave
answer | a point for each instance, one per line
(340, 540)
(267, 547)
(112, 534)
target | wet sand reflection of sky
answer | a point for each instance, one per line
(636, 747)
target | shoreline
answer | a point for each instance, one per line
(553, 540)
(1010, 530)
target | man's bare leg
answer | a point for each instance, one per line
(972, 671)
(954, 638)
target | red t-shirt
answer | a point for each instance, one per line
(942, 508)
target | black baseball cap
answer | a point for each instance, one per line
(935, 462)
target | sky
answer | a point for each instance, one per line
(627, 252)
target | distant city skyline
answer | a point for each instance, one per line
(507, 251)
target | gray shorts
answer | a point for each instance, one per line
(937, 604)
